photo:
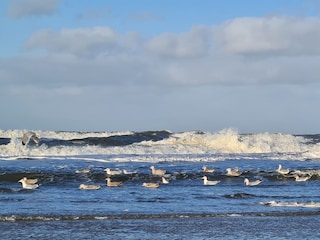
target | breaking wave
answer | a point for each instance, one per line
(140, 145)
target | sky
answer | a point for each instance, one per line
(139, 65)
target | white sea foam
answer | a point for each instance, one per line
(185, 146)
(292, 204)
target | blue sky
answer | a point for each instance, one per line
(151, 65)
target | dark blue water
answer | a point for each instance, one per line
(279, 207)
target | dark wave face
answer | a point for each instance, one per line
(110, 141)
(123, 140)
(4, 141)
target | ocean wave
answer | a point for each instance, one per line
(143, 146)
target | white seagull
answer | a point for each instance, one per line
(253, 183)
(233, 173)
(164, 180)
(113, 172)
(158, 172)
(29, 180)
(89, 187)
(151, 185)
(87, 170)
(27, 185)
(301, 178)
(207, 182)
(113, 184)
(129, 173)
(208, 170)
(282, 171)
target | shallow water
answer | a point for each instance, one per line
(300, 227)
(183, 208)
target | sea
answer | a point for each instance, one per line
(280, 207)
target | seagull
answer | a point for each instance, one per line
(128, 173)
(151, 185)
(207, 182)
(29, 180)
(233, 173)
(301, 178)
(89, 187)
(157, 171)
(281, 170)
(113, 184)
(254, 183)
(164, 180)
(208, 170)
(26, 185)
(113, 172)
(26, 137)
(87, 170)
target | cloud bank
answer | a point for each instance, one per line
(230, 72)
(274, 50)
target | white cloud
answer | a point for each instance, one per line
(271, 35)
(100, 56)
(78, 41)
(194, 43)
(24, 8)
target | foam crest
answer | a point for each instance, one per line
(230, 141)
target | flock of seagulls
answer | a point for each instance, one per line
(28, 183)
(296, 174)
